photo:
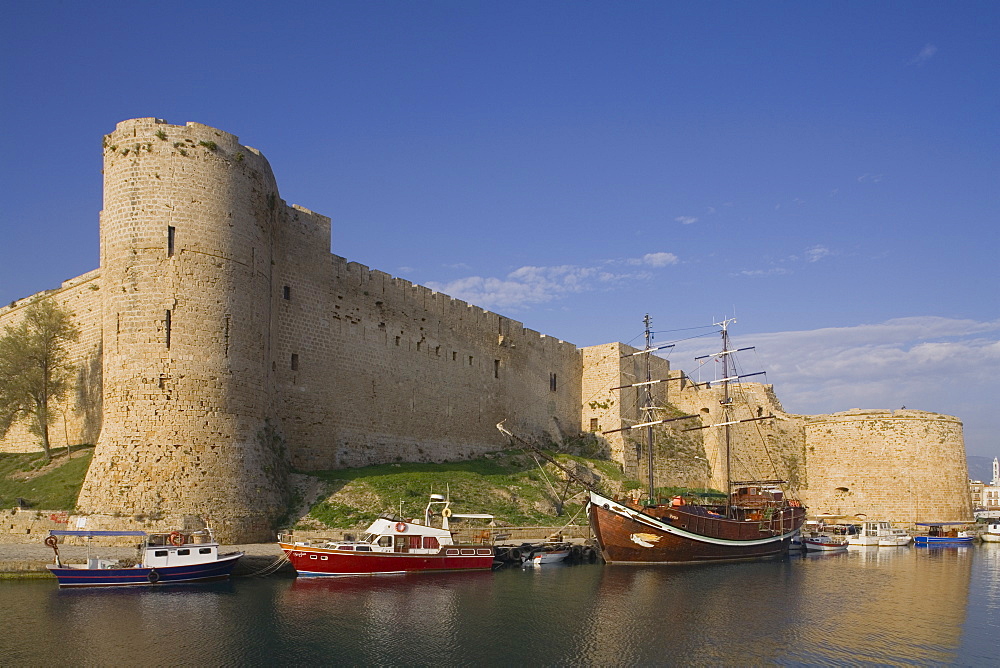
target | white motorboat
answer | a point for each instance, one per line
(880, 534)
(992, 534)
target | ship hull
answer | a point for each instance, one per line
(145, 576)
(310, 561)
(629, 536)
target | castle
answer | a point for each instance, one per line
(222, 344)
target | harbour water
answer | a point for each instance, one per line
(874, 606)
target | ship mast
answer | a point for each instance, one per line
(648, 407)
(727, 402)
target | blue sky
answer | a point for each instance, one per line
(826, 171)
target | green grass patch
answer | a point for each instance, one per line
(510, 487)
(57, 489)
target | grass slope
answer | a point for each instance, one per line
(54, 489)
(509, 486)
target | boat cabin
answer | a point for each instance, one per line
(389, 534)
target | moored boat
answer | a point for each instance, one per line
(756, 519)
(165, 558)
(824, 543)
(992, 534)
(944, 533)
(877, 533)
(548, 553)
(392, 546)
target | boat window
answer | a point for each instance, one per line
(160, 553)
(363, 548)
(385, 541)
(204, 550)
(183, 553)
(468, 551)
(451, 552)
(431, 543)
(347, 547)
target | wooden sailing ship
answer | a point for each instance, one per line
(756, 519)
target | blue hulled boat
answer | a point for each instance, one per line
(165, 558)
(943, 533)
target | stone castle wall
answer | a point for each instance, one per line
(232, 344)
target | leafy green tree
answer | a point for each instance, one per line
(34, 370)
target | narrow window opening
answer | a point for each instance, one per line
(167, 327)
(454, 356)
(594, 426)
(170, 240)
(228, 318)
(496, 368)
(286, 292)
(470, 360)
(295, 362)
(397, 340)
(552, 382)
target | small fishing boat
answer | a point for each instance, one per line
(992, 534)
(944, 533)
(165, 558)
(393, 546)
(548, 553)
(879, 534)
(823, 543)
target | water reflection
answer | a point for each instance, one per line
(885, 606)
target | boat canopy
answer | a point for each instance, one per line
(938, 524)
(89, 534)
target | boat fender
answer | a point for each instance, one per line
(153, 577)
(400, 527)
(446, 512)
(176, 538)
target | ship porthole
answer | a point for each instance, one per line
(607, 506)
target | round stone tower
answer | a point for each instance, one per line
(901, 466)
(186, 269)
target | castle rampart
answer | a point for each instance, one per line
(221, 342)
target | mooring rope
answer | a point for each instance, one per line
(269, 569)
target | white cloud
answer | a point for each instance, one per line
(686, 220)
(925, 54)
(781, 267)
(870, 178)
(659, 259)
(535, 285)
(773, 271)
(816, 253)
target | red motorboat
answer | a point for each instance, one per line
(392, 546)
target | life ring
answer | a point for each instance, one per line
(401, 527)
(52, 541)
(176, 538)
(153, 577)
(446, 512)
